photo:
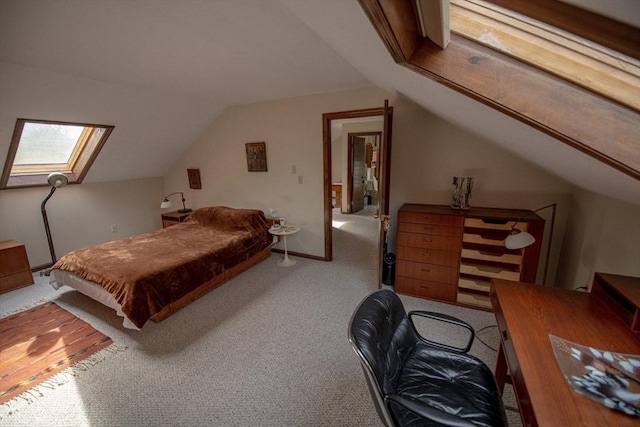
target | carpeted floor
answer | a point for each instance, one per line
(268, 348)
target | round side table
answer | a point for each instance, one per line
(285, 231)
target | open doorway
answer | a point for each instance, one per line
(330, 121)
(362, 167)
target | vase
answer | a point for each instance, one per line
(462, 186)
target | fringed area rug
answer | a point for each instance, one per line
(39, 343)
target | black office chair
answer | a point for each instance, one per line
(418, 382)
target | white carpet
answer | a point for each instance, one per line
(268, 348)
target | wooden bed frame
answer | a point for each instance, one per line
(206, 287)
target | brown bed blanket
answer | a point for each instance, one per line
(147, 272)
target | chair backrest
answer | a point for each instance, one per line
(381, 335)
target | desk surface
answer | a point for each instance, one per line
(526, 314)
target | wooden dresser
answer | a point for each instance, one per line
(428, 251)
(621, 294)
(451, 255)
(15, 271)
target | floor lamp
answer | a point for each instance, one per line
(55, 180)
(521, 239)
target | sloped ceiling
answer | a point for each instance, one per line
(353, 36)
(161, 71)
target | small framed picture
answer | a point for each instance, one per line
(194, 179)
(256, 156)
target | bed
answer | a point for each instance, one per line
(153, 275)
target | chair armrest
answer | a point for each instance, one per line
(447, 319)
(427, 412)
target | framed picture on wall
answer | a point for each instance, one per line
(194, 179)
(256, 156)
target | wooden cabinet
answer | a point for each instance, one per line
(173, 218)
(621, 294)
(484, 255)
(428, 252)
(336, 188)
(15, 271)
(451, 255)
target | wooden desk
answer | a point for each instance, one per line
(526, 314)
(337, 199)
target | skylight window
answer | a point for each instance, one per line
(39, 148)
(565, 71)
(568, 56)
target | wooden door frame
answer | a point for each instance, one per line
(326, 150)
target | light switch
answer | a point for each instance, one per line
(299, 179)
(294, 169)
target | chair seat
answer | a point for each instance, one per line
(458, 384)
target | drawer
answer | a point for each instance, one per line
(520, 389)
(15, 281)
(493, 225)
(428, 272)
(481, 238)
(471, 298)
(465, 283)
(481, 232)
(490, 271)
(433, 229)
(168, 222)
(13, 258)
(428, 256)
(480, 255)
(427, 218)
(425, 289)
(438, 243)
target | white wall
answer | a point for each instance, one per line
(603, 235)
(292, 130)
(427, 153)
(79, 215)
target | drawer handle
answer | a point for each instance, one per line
(427, 228)
(428, 240)
(424, 287)
(428, 270)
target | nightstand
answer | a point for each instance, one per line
(173, 218)
(15, 271)
(285, 231)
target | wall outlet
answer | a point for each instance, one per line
(114, 228)
(299, 179)
(294, 169)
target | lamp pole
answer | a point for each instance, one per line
(55, 180)
(553, 220)
(46, 225)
